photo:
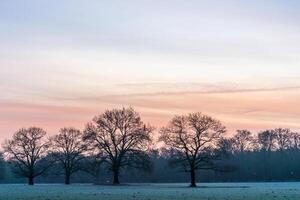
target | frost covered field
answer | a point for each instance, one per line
(211, 191)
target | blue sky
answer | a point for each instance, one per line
(74, 55)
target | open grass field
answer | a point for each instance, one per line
(205, 191)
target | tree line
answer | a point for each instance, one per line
(118, 140)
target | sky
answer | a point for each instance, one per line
(63, 62)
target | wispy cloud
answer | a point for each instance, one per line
(168, 89)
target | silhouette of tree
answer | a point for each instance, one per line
(67, 149)
(294, 140)
(122, 136)
(283, 138)
(227, 145)
(26, 152)
(243, 140)
(267, 140)
(195, 138)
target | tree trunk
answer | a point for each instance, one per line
(30, 180)
(67, 177)
(116, 177)
(193, 178)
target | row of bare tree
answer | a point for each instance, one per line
(268, 140)
(118, 138)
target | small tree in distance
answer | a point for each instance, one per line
(26, 152)
(194, 138)
(267, 140)
(243, 140)
(122, 137)
(67, 148)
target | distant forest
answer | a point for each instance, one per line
(251, 166)
(117, 147)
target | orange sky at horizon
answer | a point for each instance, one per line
(237, 110)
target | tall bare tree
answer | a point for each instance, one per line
(123, 138)
(68, 148)
(26, 152)
(194, 137)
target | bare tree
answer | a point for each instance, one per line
(194, 137)
(267, 140)
(227, 145)
(294, 141)
(26, 152)
(68, 149)
(243, 140)
(283, 138)
(123, 137)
